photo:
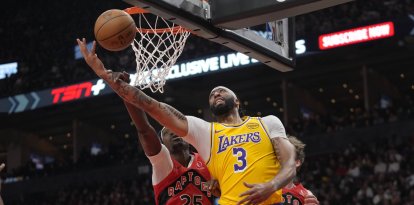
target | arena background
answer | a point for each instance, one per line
(352, 105)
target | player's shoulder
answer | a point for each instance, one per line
(271, 120)
(270, 117)
(197, 121)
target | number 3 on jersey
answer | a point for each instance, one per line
(241, 164)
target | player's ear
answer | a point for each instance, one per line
(298, 163)
(237, 102)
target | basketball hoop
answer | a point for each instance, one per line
(157, 46)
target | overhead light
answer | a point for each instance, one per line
(281, 110)
(321, 90)
(333, 101)
(274, 104)
(68, 134)
(126, 136)
(268, 99)
(246, 103)
(351, 109)
(357, 97)
(344, 85)
(351, 91)
(50, 138)
(112, 126)
(412, 87)
(402, 75)
(131, 123)
(65, 146)
(200, 111)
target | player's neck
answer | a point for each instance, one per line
(231, 118)
(183, 157)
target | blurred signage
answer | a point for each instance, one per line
(299, 44)
(209, 65)
(77, 91)
(38, 99)
(356, 35)
(7, 69)
(411, 17)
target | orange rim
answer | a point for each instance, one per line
(137, 10)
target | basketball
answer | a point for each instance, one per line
(115, 30)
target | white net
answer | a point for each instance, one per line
(157, 46)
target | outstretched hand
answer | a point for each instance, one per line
(91, 58)
(257, 193)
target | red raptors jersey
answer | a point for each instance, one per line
(185, 186)
(295, 195)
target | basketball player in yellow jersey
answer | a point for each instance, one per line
(251, 159)
(242, 153)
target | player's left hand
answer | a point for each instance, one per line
(257, 193)
(91, 58)
(311, 199)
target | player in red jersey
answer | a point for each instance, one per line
(178, 176)
(294, 193)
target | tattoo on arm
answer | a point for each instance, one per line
(139, 97)
(276, 147)
(171, 111)
(145, 98)
(123, 90)
(288, 170)
(175, 112)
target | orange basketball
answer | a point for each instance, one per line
(115, 30)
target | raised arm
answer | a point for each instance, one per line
(163, 113)
(157, 154)
(146, 133)
(285, 153)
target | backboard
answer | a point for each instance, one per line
(229, 22)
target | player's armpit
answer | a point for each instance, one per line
(285, 153)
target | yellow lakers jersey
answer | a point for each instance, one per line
(242, 153)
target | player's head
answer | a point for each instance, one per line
(222, 101)
(172, 141)
(299, 151)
